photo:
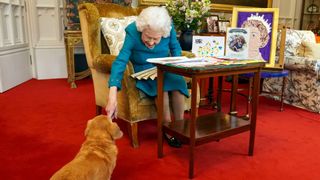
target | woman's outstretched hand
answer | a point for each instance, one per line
(111, 108)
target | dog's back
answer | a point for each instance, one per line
(97, 156)
(85, 168)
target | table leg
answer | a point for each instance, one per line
(69, 46)
(194, 113)
(70, 41)
(160, 111)
(219, 93)
(210, 90)
(67, 58)
(255, 98)
(249, 98)
(72, 68)
(212, 102)
(203, 97)
(233, 100)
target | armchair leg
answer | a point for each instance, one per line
(133, 134)
(98, 110)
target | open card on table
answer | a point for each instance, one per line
(237, 43)
(186, 62)
(166, 60)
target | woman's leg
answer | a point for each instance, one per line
(177, 101)
(172, 141)
(166, 107)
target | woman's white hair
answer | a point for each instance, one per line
(156, 18)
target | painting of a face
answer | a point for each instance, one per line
(262, 24)
(255, 38)
(260, 28)
(255, 43)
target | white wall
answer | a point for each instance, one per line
(43, 57)
(47, 44)
(14, 68)
(15, 65)
(289, 13)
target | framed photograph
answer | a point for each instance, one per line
(208, 46)
(237, 43)
(263, 24)
(223, 25)
(212, 24)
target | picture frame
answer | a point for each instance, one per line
(212, 24)
(223, 25)
(227, 6)
(218, 5)
(152, 2)
(263, 24)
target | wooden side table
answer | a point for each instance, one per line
(210, 127)
(72, 38)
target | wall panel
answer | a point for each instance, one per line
(15, 65)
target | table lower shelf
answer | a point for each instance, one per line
(208, 128)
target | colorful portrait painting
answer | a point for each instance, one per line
(262, 23)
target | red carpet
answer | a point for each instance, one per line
(42, 128)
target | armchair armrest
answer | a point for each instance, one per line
(307, 65)
(310, 65)
(103, 62)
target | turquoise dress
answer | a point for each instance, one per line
(134, 50)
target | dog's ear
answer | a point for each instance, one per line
(87, 131)
(114, 130)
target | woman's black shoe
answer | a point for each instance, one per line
(172, 141)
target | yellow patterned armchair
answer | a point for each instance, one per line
(131, 107)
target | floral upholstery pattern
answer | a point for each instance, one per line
(303, 83)
(113, 30)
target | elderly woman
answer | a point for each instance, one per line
(151, 36)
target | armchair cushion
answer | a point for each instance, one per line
(310, 50)
(113, 30)
(294, 39)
